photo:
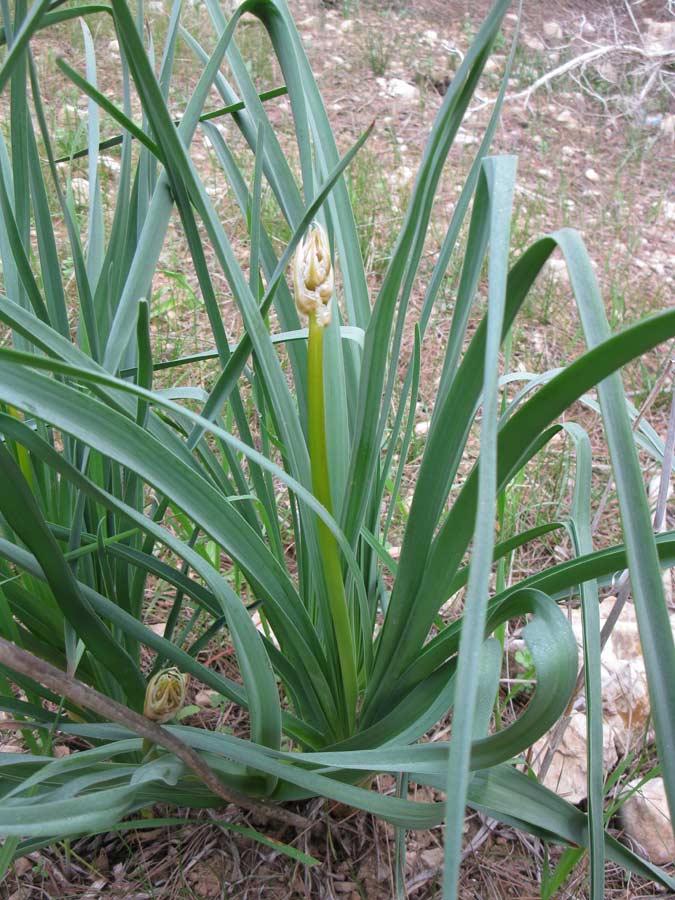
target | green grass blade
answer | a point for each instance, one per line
(580, 527)
(650, 606)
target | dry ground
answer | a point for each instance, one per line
(595, 151)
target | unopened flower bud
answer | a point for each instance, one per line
(313, 275)
(165, 695)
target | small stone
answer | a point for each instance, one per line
(432, 858)
(158, 628)
(566, 118)
(22, 866)
(399, 89)
(592, 175)
(553, 31)
(669, 210)
(207, 699)
(534, 43)
(668, 125)
(110, 163)
(545, 173)
(400, 178)
(347, 25)
(430, 36)
(465, 139)
(80, 188)
(659, 36)
(646, 820)
(558, 269)
(568, 151)
(422, 428)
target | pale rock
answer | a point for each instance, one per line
(11, 747)
(668, 125)
(558, 269)
(347, 25)
(592, 175)
(465, 139)
(430, 36)
(432, 858)
(422, 428)
(158, 628)
(74, 110)
(400, 178)
(568, 151)
(567, 773)
(533, 43)
(399, 89)
(566, 118)
(110, 163)
(80, 188)
(669, 210)
(646, 821)
(394, 552)
(22, 866)
(553, 31)
(625, 694)
(659, 37)
(545, 173)
(206, 698)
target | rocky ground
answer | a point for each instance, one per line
(590, 112)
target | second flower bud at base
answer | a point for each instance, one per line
(165, 695)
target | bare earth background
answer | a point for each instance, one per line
(596, 148)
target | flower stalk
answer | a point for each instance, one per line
(313, 284)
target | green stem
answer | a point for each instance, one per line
(327, 543)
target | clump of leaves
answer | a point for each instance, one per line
(308, 451)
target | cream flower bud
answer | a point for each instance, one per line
(165, 695)
(313, 275)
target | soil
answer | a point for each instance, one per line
(594, 153)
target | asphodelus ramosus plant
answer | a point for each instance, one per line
(301, 440)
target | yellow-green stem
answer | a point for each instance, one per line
(327, 542)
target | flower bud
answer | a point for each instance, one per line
(165, 695)
(313, 275)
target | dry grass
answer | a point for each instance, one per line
(562, 134)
